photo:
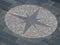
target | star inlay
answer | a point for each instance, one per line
(31, 20)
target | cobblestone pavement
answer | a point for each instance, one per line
(7, 37)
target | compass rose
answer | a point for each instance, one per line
(37, 21)
(31, 20)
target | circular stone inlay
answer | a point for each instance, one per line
(31, 21)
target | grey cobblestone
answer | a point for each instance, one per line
(57, 5)
(4, 5)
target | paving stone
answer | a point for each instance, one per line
(4, 5)
(58, 1)
(57, 5)
(2, 43)
(39, 2)
(1, 27)
(8, 36)
(1, 18)
(21, 1)
(7, 41)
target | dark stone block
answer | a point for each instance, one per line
(1, 17)
(4, 5)
(57, 5)
(2, 39)
(1, 27)
(21, 1)
(7, 36)
(39, 2)
(58, 1)
(58, 15)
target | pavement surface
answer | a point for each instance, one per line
(9, 37)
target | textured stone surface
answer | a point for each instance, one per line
(45, 17)
(53, 39)
(4, 5)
